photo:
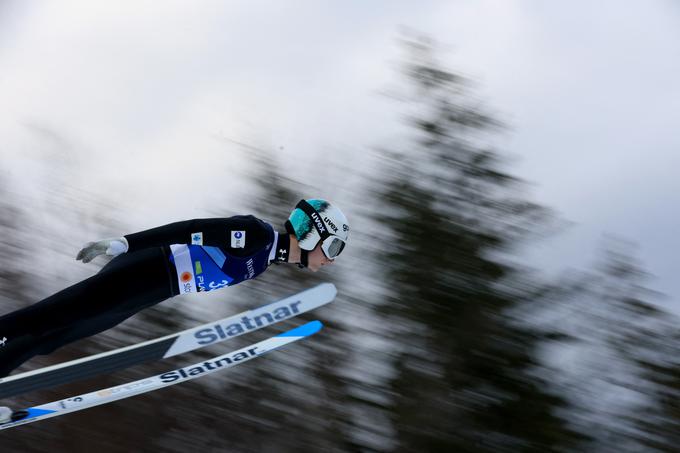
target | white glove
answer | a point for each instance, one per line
(111, 247)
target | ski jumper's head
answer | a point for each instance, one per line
(320, 229)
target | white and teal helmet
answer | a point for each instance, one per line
(317, 221)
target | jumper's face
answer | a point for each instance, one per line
(317, 259)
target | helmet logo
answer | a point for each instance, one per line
(331, 224)
(319, 223)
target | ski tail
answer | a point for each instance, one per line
(111, 394)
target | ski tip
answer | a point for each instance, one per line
(304, 330)
(325, 290)
(330, 287)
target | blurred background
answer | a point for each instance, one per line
(507, 167)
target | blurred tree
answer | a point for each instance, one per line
(306, 390)
(661, 422)
(278, 403)
(465, 370)
(617, 355)
(336, 369)
(15, 283)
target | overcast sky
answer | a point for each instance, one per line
(144, 92)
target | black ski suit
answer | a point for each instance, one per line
(183, 257)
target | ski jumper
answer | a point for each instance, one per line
(183, 257)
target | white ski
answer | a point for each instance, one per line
(119, 392)
(170, 345)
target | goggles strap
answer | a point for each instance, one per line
(304, 259)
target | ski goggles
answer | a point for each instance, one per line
(332, 247)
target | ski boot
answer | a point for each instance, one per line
(5, 414)
(8, 415)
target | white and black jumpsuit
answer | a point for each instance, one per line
(183, 257)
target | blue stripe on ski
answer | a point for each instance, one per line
(303, 331)
(34, 412)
